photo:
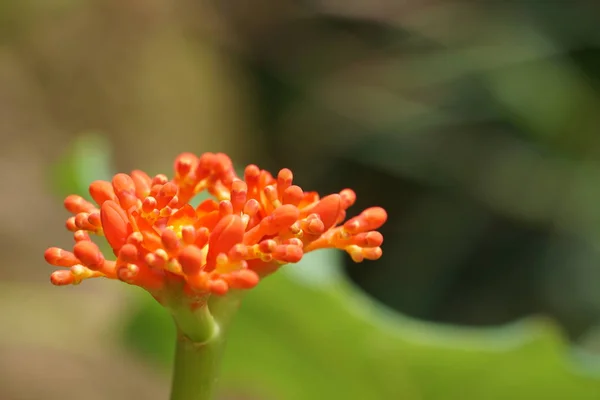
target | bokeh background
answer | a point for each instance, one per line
(475, 124)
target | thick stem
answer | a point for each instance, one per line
(198, 325)
(200, 345)
(196, 368)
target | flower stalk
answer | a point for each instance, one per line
(199, 347)
(196, 325)
(196, 367)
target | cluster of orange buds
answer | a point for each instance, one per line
(251, 228)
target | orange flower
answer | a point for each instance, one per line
(161, 242)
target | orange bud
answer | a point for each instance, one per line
(89, 254)
(251, 207)
(288, 253)
(115, 224)
(136, 239)
(218, 166)
(166, 194)
(205, 165)
(77, 204)
(60, 258)
(292, 195)
(218, 287)
(282, 218)
(294, 241)
(198, 281)
(128, 253)
(370, 219)
(227, 233)
(328, 209)
(267, 246)
(102, 191)
(154, 189)
(271, 194)
(184, 164)
(238, 252)
(174, 202)
(358, 254)
(284, 181)
(142, 182)
(313, 225)
(173, 266)
(265, 179)
(191, 259)
(224, 168)
(62, 278)
(71, 225)
(165, 212)
(239, 192)
(170, 241)
(368, 239)
(251, 177)
(149, 204)
(373, 253)
(81, 236)
(155, 261)
(348, 198)
(128, 272)
(159, 180)
(202, 236)
(242, 279)
(82, 222)
(94, 219)
(188, 234)
(225, 208)
(124, 188)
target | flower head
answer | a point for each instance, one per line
(251, 228)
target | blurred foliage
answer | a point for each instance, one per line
(297, 338)
(88, 158)
(475, 124)
(307, 333)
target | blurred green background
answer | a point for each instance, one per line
(475, 124)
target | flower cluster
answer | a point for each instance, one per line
(254, 226)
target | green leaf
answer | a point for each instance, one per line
(297, 338)
(88, 158)
(150, 331)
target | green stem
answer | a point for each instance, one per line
(197, 325)
(196, 368)
(200, 345)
